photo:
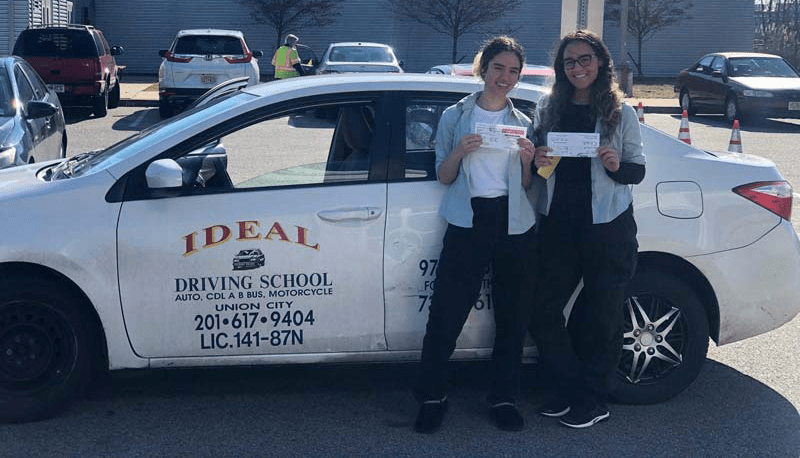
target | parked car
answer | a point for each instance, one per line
(740, 85)
(349, 57)
(345, 212)
(541, 75)
(76, 62)
(31, 119)
(199, 59)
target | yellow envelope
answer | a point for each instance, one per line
(545, 172)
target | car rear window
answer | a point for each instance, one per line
(360, 54)
(208, 44)
(55, 43)
(6, 96)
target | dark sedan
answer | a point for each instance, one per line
(740, 85)
(31, 119)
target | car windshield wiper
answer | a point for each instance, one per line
(70, 166)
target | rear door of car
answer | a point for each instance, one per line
(718, 85)
(699, 79)
(283, 180)
(213, 60)
(414, 229)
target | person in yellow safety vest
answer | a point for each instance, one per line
(286, 61)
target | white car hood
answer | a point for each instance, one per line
(22, 180)
(768, 82)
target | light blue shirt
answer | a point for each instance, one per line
(609, 198)
(456, 207)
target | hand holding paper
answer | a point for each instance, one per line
(573, 144)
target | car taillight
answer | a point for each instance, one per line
(775, 196)
(240, 60)
(171, 57)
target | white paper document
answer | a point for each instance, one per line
(573, 144)
(499, 136)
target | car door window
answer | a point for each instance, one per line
(23, 86)
(718, 65)
(38, 86)
(704, 66)
(422, 120)
(308, 146)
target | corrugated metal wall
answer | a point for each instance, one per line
(145, 26)
(17, 15)
(716, 25)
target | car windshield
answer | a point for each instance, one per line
(541, 80)
(208, 44)
(761, 66)
(6, 96)
(360, 54)
(55, 43)
(163, 131)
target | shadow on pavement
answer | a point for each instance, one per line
(368, 410)
(138, 120)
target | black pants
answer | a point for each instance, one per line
(465, 257)
(583, 363)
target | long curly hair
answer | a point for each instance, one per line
(606, 96)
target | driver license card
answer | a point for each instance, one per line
(573, 144)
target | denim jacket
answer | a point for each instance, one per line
(456, 207)
(609, 198)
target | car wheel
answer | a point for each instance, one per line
(44, 350)
(732, 109)
(665, 341)
(164, 109)
(686, 103)
(113, 98)
(100, 104)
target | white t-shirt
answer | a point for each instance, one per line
(488, 168)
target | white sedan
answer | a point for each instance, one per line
(124, 258)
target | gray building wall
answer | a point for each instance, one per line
(145, 26)
(716, 25)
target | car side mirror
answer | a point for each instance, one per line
(164, 174)
(400, 63)
(258, 54)
(716, 74)
(36, 109)
(117, 50)
(162, 53)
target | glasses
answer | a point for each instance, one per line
(584, 60)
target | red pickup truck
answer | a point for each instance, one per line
(76, 62)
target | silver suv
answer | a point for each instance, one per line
(198, 60)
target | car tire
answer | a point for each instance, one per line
(687, 104)
(732, 110)
(100, 104)
(113, 98)
(46, 350)
(665, 341)
(164, 109)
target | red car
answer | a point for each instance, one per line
(76, 62)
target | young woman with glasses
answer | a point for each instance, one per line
(587, 230)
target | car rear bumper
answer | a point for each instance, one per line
(756, 285)
(79, 92)
(179, 98)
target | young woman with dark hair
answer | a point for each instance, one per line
(587, 230)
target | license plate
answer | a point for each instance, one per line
(56, 87)
(794, 105)
(208, 78)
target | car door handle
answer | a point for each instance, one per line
(350, 214)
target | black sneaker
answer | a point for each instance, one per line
(555, 408)
(584, 416)
(430, 416)
(506, 417)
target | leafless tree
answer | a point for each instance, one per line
(646, 17)
(286, 16)
(453, 17)
(778, 28)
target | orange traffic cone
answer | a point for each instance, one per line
(683, 133)
(735, 145)
(640, 112)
